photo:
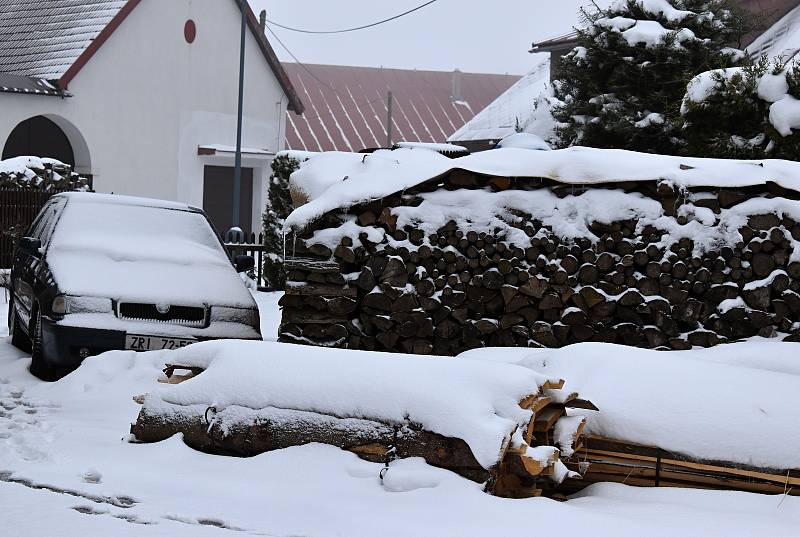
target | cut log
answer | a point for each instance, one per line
(245, 432)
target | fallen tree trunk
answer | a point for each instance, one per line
(246, 432)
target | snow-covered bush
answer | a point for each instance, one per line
(622, 87)
(747, 112)
(278, 208)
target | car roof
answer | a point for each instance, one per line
(116, 199)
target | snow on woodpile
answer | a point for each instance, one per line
(738, 403)
(339, 180)
(39, 173)
(408, 251)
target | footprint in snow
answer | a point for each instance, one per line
(92, 476)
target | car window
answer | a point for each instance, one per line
(51, 217)
(42, 227)
(38, 225)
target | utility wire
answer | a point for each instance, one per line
(301, 64)
(352, 29)
(315, 77)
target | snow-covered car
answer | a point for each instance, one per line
(99, 272)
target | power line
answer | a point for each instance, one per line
(352, 29)
(315, 77)
(301, 64)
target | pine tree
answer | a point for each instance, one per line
(741, 112)
(622, 87)
(278, 208)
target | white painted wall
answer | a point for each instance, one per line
(147, 99)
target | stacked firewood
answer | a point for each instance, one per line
(532, 462)
(605, 459)
(458, 288)
(42, 174)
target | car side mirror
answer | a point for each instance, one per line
(30, 246)
(243, 263)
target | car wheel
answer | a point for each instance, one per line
(18, 338)
(39, 365)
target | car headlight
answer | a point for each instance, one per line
(63, 304)
(248, 316)
(59, 306)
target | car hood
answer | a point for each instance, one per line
(188, 274)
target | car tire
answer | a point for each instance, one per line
(18, 338)
(39, 365)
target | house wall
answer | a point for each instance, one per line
(146, 100)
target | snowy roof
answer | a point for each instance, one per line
(781, 39)
(515, 106)
(29, 85)
(346, 106)
(441, 148)
(339, 180)
(52, 39)
(43, 38)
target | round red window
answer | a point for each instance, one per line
(189, 31)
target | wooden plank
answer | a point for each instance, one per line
(581, 403)
(292, 315)
(552, 385)
(535, 402)
(312, 265)
(547, 418)
(304, 289)
(789, 477)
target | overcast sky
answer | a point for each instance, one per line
(472, 35)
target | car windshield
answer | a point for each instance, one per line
(134, 232)
(121, 250)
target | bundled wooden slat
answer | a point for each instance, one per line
(641, 465)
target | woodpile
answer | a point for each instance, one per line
(604, 459)
(457, 289)
(41, 174)
(532, 463)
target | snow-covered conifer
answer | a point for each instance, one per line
(278, 208)
(747, 112)
(622, 87)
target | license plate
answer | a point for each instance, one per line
(136, 342)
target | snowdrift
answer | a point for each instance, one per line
(501, 416)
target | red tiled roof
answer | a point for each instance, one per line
(346, 111)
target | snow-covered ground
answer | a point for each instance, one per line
(67, 469)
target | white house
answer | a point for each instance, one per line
(142, 95)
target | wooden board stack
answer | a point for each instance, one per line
(530, 464)
(649, 466)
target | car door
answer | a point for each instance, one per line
(29, 269)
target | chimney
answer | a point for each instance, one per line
(262, 21)
(455, 89)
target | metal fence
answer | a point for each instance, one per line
(18, 209)
(252, 245)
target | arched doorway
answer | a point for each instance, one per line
(41, 137)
